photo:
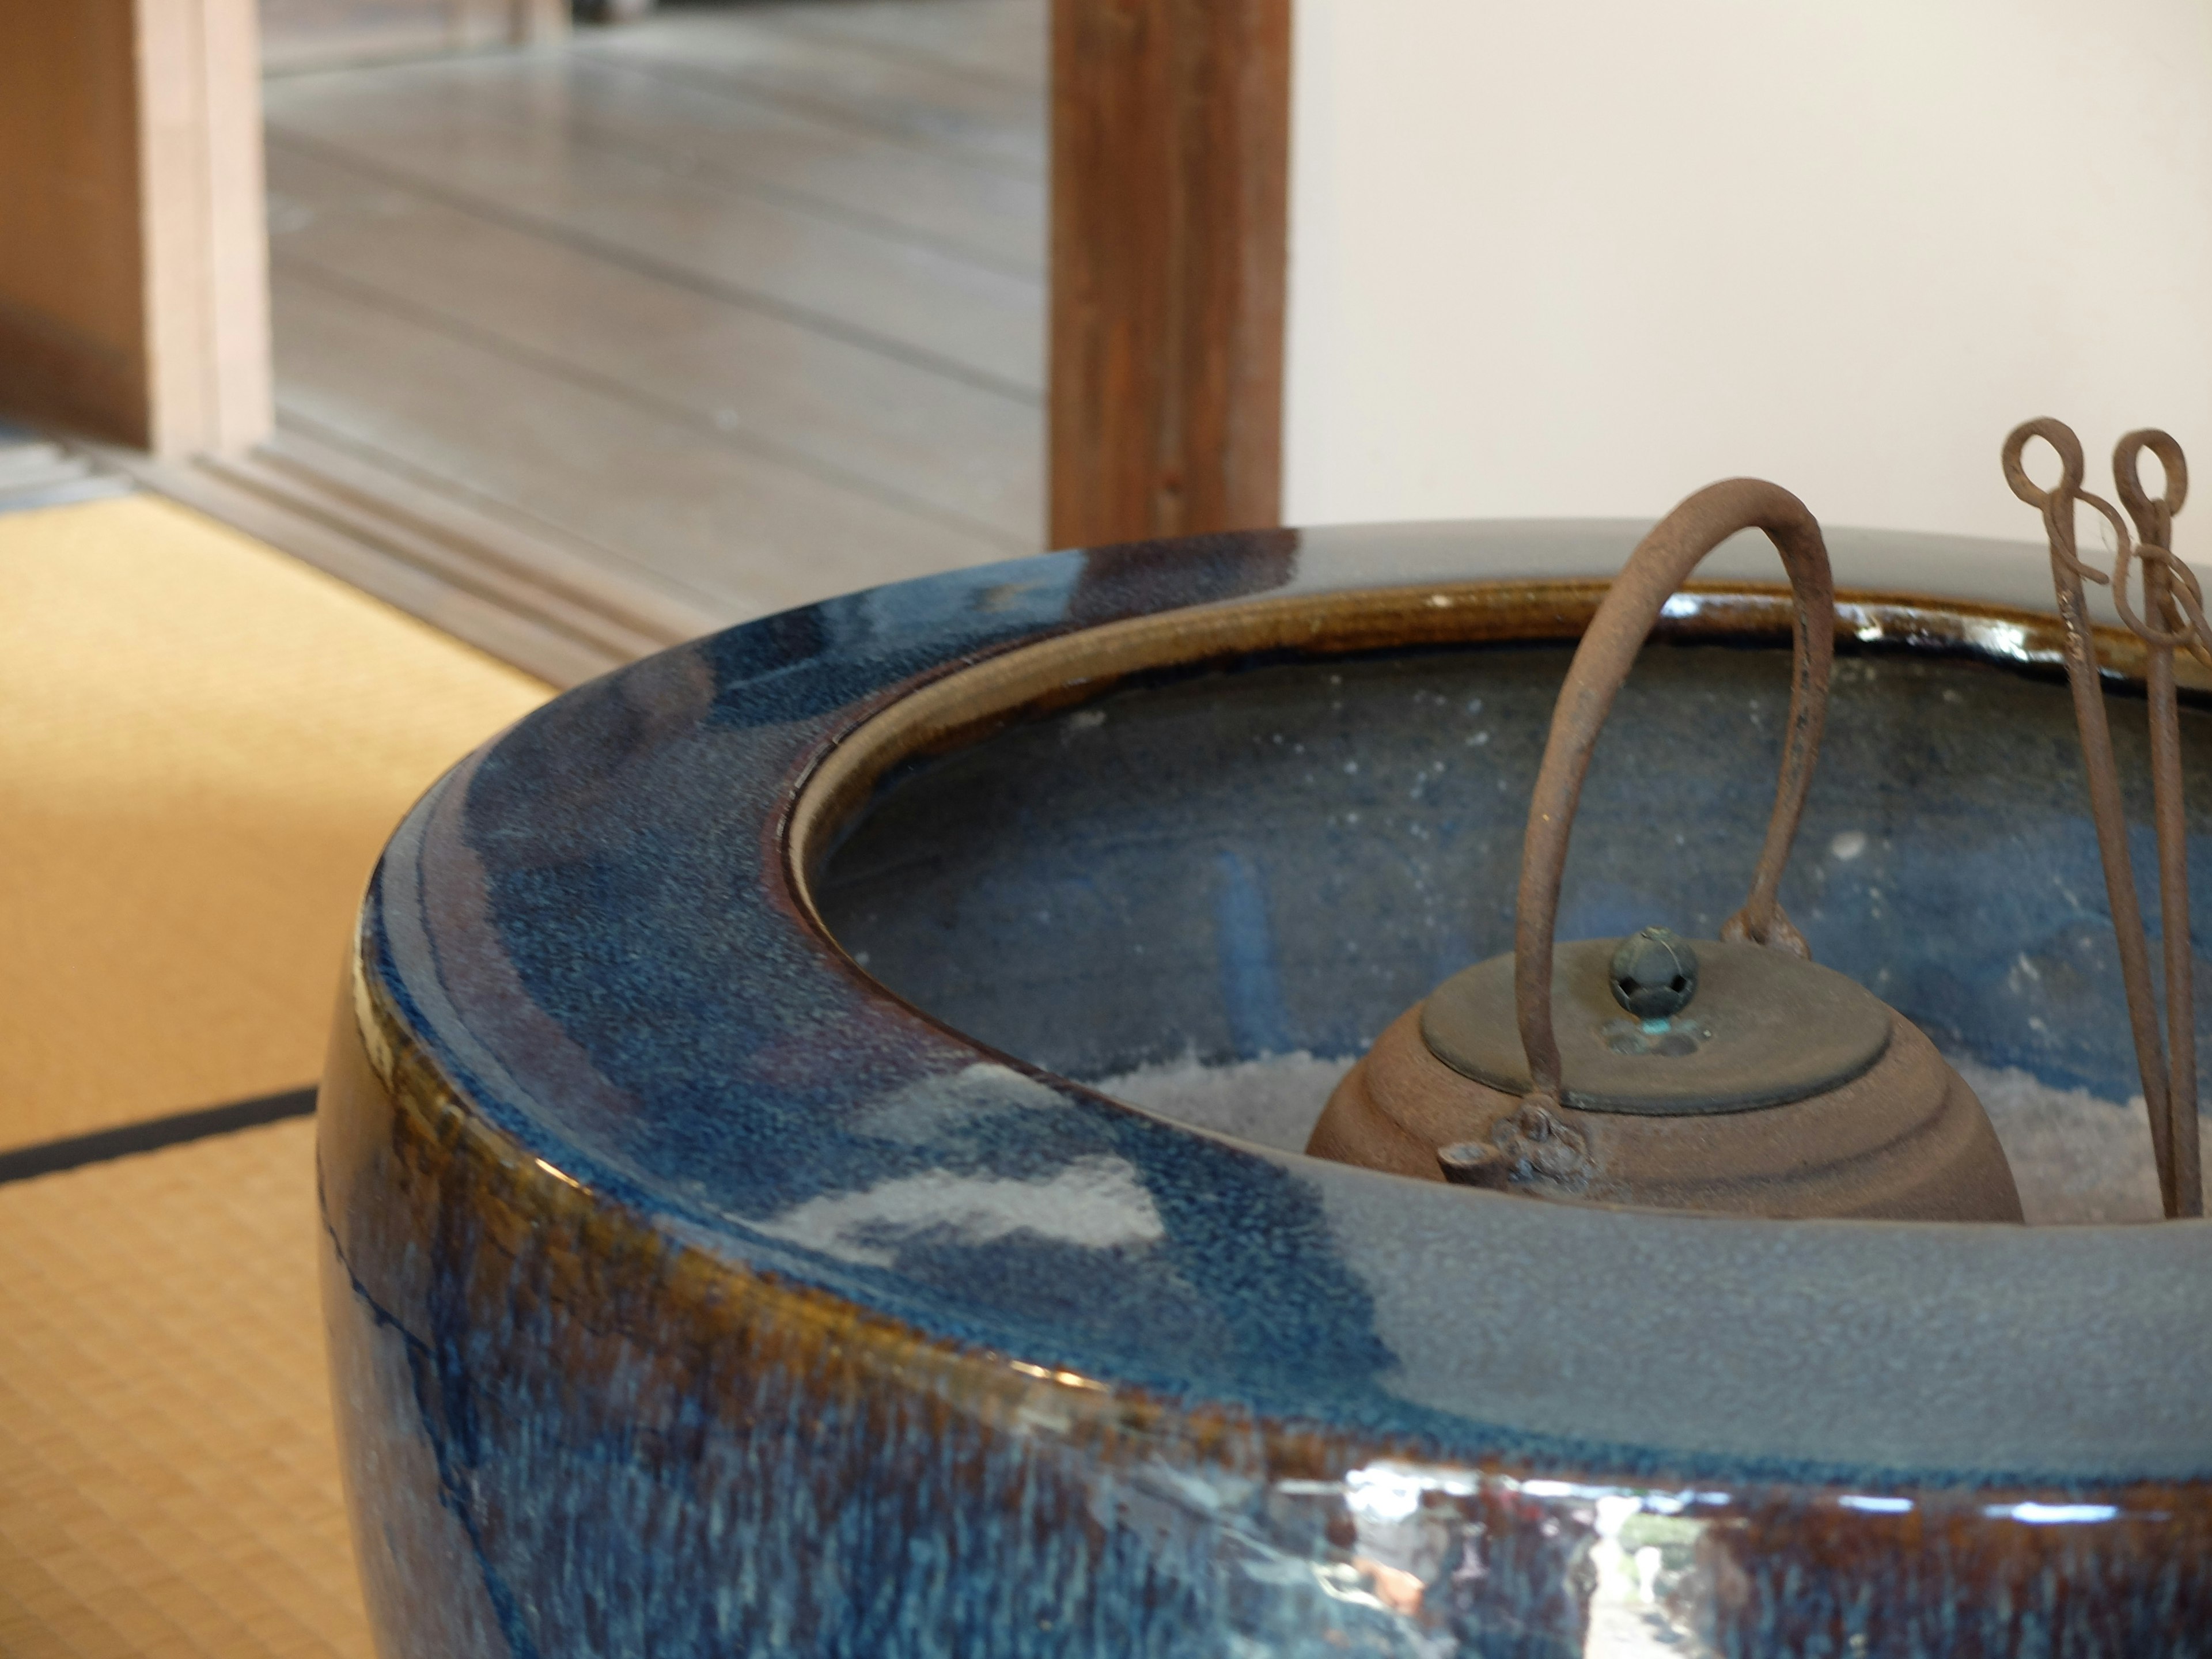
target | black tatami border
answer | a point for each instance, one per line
(51, 1156)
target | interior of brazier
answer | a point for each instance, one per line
(1205, 892)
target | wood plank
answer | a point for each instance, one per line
(663, 503)
(132, 292)
(495, 624)
(926, 305)
(548, 576)
(201, 211)
(301, 34)
(929, 443)
(747, 143)
(1170, 204)
(72, 307)
(988, 214)
(1002, 39)
(987, 122)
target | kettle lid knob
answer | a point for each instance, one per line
(1653, 973)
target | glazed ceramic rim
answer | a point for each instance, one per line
(1899, 1352)
(969, 701)
(965, 705)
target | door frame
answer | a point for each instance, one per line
(1170, 185)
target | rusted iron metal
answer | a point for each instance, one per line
(1662, 562)
(1775, 1087)
(1903, 1141)
(2165, 625)
(2173, 617)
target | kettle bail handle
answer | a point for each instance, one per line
(1663, 561)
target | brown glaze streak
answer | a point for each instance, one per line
(414, 1180)
(401, 1153)
(646, 1342)
(966, 702)
(2070, 1588)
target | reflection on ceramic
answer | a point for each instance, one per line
(699, 1282)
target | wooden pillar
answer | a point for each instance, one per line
(1170, 138)
(134, 294)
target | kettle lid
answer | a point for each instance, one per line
(1762, 1028)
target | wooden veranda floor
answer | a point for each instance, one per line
(693, 319)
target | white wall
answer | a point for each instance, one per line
(1583, 256)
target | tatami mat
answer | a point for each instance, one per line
(203, 745)
(168, 1482)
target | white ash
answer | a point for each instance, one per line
(1274, 1100)
(2075, 1157)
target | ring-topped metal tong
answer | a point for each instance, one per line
(2172, 616)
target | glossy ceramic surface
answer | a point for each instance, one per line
(692, 1292)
